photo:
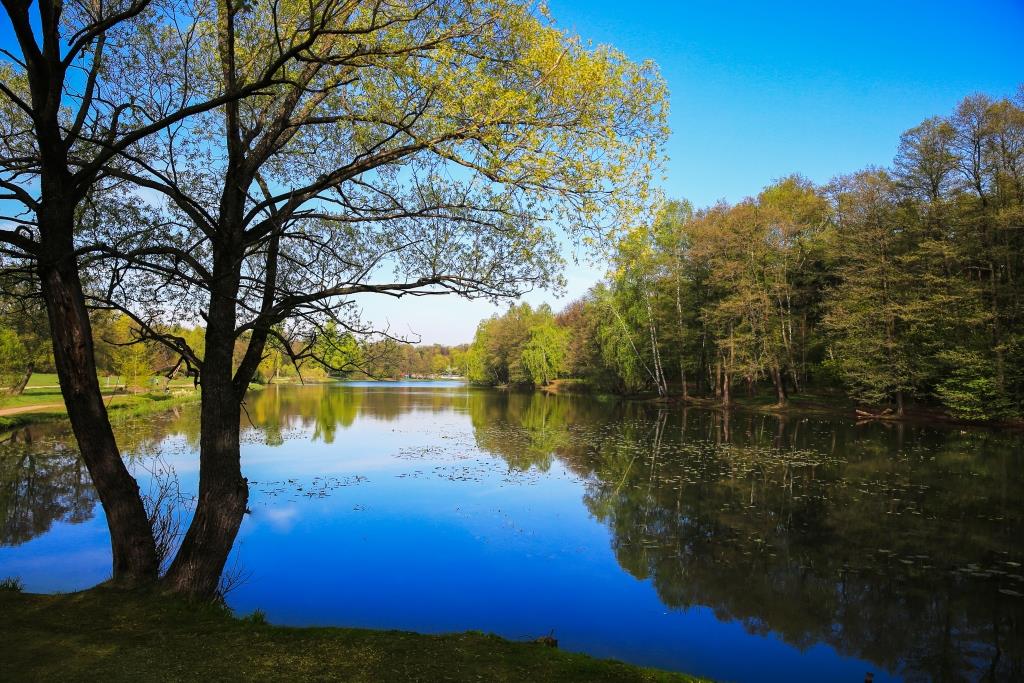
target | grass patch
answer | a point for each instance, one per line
(48, 380)
(119, 406)
(42, 379)
(32, 396)
(115, 636)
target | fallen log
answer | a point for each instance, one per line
(886, 414)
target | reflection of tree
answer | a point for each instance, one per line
(328, 407)
(40, 488)
(890, 544)
(43, 480)
(142, 437)
(525, 429)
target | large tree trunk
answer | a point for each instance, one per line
(131, 537)
(223, 496)
(223, 491)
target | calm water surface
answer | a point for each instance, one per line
(742, 548)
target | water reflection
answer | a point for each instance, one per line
(42, 481)
(895, 543)
(898, 545)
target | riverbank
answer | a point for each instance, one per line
(102, 634)
(38, 407)
(821, 403)
(826, 404)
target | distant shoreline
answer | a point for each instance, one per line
(385, 380)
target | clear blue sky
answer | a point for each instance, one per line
(760, 90)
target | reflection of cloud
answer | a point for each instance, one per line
(281, 519)
(53, 562)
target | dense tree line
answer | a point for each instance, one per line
(893, 283)
(346, 356)
(397, 360)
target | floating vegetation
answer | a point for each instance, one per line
(318, 487)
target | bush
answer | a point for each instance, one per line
(970, 390)
(258, 618)
(12, 584)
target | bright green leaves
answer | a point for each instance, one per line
(544, 357)
(523, 346)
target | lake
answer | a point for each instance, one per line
(741, 547)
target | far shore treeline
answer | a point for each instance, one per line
(892, 284)
(136, 363)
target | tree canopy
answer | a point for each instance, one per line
(252, 167)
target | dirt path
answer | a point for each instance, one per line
(28, 409)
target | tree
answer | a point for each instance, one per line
(496, 355)
(87, 83)
(889, 304)
(61, 122)
(450, 138)
(132, 359)
(25, 336)
(543, 356)
(338, 350)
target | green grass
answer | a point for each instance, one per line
(49, 380)
(43, 388)
(118, 406)
(115, 636)
(40, 379)
(31, 396)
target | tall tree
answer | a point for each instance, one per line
(878, 314)
(63, 117)
(408, 150)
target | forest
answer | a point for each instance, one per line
(892, 284)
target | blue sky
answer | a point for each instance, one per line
(760, 90)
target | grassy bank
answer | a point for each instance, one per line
(115, 636)
(119, 406)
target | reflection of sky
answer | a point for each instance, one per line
(439, 536)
